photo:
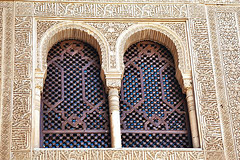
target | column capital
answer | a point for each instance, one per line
(113, 83)
(113, 97)
(39, 79)
(187, 85)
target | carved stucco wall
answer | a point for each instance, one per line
(225, 39)
(6, 109)
(210, 32)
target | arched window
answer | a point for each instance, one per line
(153, 108)
(74, 107)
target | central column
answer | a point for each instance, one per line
(113, 98)
(113, 85)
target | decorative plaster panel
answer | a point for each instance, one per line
(159, 1)
(215, 68)
(111, 31)
(118, 154)
(226, 48)
(22, 89)
(6, 77)
(205, 87)
(108, 10)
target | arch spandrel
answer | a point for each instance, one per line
(162, 35)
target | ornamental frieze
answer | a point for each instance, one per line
(101, 10)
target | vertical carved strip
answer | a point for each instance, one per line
(205, 86)
(226, 120)
(7, 76)
(229, 50)
(1, 52)
(21, 119)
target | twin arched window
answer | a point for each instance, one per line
(74, 111)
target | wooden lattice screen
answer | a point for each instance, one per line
(74, 107)
(153, 108)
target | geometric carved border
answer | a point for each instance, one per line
(211, 111)
(6, 77)
(118, 154)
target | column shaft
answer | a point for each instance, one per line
(113, 99)
(192, 118)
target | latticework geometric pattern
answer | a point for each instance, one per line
(74, 112)
(153, 108)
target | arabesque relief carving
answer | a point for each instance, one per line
(110, 10)
(22, 90)
(226, 48)
(209, 39)
(204, 83)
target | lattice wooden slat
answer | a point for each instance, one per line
(74, 105)
(153, 108)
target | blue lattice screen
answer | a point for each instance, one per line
(74, 111)
(153, 108)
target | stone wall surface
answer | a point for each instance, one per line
(206, 34)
